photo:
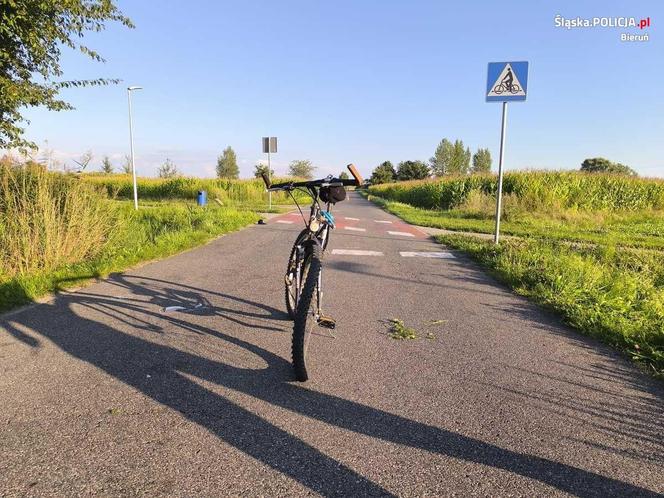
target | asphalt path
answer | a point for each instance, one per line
(174, 379)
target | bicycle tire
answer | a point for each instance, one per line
(515, 89)
(305, 319)
(288, 294)
(498, 89)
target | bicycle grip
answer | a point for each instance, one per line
(266, 180)
(356, 174)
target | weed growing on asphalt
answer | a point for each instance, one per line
(399, 331)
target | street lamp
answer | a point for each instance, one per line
(131, 143)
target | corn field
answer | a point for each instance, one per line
(534, 189)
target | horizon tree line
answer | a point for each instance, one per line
(448, 159)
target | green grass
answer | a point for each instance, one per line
(644, 229)
(155, 231)
(615, 296)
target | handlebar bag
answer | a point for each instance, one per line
(333, 194)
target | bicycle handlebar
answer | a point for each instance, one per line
(266, 179)
(356, 174)
(324, 182)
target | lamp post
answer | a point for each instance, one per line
(131, 143)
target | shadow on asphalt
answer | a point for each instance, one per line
(130, 359)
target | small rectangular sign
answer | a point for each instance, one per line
(507, 81)
(269, 145)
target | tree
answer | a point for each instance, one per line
(259, 169)
(460, 162)
(84, 160)
(106, 166)
(383, 173)
(301, 168)
(602, 165)
(481, 161)
(442, 157)
(126, 165)
(343, 176)
(168, 170)
(31, 39)
(412, 170)
(227, 164)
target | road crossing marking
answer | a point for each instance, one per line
(438, 255)
(349, 218)
(288, 222)
(405, 234)
(383, 221)
(356, 252)
(356, 229)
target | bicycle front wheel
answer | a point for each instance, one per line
(292, 292)
(308, 310)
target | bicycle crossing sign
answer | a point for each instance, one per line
(507, 81)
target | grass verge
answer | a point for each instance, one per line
(643, 229)
(155, 231)
(615, 296)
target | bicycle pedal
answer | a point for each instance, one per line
(327, 322)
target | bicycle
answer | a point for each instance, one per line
(498, 89)
(304, 275)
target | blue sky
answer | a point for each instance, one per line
(363, 82)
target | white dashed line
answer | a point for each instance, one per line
(405, 234)
(288, 222)
(356, 229)
(356, 252)
(438, 255)
(383, 221)
(349, 218)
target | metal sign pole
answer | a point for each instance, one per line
(269, 177)
(499, 194)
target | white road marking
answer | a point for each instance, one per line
(288, 222)
(383, 221)
(405, 234)
(349, 218)
(356, 229)
(416, 254)
(356, 252)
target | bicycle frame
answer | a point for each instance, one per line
(318, 228)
